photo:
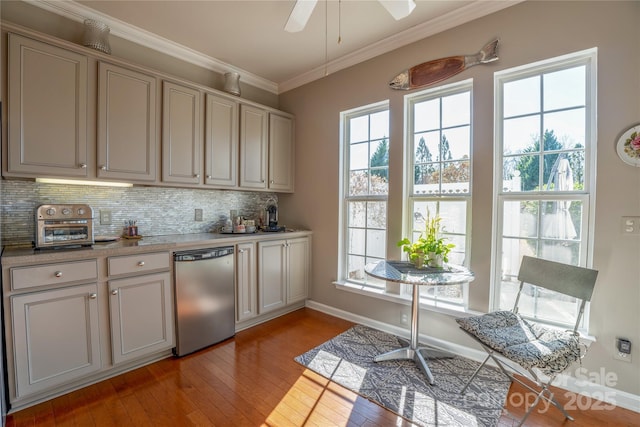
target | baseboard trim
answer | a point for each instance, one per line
(583, 387)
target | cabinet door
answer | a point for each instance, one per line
(55, 337)
(221, 142)
(298, 263)
(127, 140)
(246, 284)
(47, 109)
(141, 316)
(272, 278)
(281, 153)
(181, 134)
(253, 147)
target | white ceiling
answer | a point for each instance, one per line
(248, 36)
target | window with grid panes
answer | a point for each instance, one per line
(545, 156)
(365, 166)
(439, 174)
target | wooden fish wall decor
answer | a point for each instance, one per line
(438, 70)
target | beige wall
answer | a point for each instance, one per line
(528, 32)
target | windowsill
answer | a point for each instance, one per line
(441, 307)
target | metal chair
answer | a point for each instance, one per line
(508, 337)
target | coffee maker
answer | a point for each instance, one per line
(272, 219)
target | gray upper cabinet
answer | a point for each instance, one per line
(280, 153)
(221, 142)
(253, 147)
(127, 140)
(181, 134)
(47, 115)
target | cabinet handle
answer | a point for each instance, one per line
(140, 263)
(93, 296)
(83, 165)
(103, 168)
(114, 292)
(58, 274)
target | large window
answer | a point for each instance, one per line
(365, 163)
(439, 171)
(545, 133)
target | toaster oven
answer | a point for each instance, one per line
(63, 225)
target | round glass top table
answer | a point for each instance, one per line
(406, 272)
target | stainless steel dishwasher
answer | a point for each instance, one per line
(205, 298)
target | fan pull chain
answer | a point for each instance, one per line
(339, 21)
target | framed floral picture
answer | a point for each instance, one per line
(628, 146)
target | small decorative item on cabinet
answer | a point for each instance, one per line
(232, 83)
(96, 36)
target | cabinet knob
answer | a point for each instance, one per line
(58, 274)
(103, 168)
(83, 165)
(93, 296)
(196, 175)
(209, 177)
(271, 182)
(240, 251)
(114, 292)
(140, 263)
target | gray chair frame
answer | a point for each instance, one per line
(567, 279)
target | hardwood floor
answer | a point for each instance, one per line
(252, 380)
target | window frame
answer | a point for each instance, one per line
(587, 195)
(344, 197)
(410, 197)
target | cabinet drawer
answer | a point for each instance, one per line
(134, 264)
(53, 274)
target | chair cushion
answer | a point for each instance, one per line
(528, 344)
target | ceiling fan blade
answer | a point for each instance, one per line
(300, 15)
(398, 8)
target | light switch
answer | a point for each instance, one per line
(631, 225)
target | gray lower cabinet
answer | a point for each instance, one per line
(56, 337)
(246, 283)
(141, 313)
(76, 321)
(283, 273)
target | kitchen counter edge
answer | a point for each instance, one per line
(14, 256)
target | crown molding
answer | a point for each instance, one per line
(468, 13)
(78, 12)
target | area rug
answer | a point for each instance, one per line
(401, 387)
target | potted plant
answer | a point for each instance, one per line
(430, 245)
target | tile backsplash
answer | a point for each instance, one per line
(159, 211)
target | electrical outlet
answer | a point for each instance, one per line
(623, 350)
(198, 216)
(105, 217)
(631, 225)
(404, 318)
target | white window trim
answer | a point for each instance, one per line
(409, 197)
(589, 58)
(343, 185)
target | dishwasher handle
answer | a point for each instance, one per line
(202, 254)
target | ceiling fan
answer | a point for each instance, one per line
(303, 8)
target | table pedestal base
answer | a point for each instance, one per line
(417, 355)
